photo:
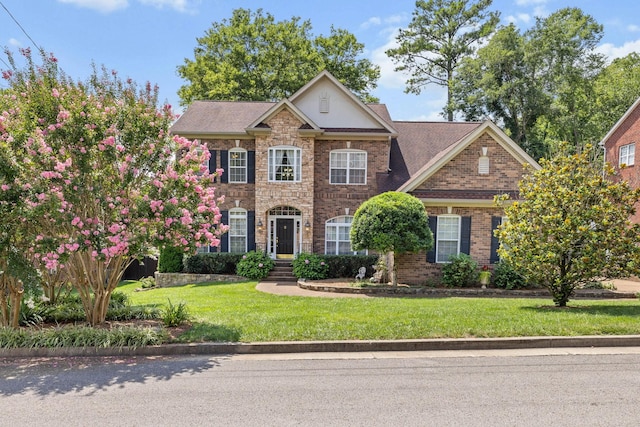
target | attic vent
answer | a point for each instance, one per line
(483, 162)
(324, 103)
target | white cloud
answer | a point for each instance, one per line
(179, 5)
(14, 42)
(388, 77)
(530, 2)
(520, 17)
(104, 6)
(633, 28)
(371, 22)
(612, 52)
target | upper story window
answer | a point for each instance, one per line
(237, 230)
(238, 165)
(348, 167)
(627, 155)
(284, 164)
(447, 237)
(337, 240)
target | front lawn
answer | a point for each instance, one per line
(237, 312)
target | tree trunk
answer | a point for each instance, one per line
(391, 266)
(11, 290)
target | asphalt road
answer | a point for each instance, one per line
(559, 387)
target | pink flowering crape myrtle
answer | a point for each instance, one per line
(102, 181)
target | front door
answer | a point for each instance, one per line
(284, 236)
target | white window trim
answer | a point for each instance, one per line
(627, 154)
(438, 239)
(337, 222)
(238, 212)
(246, 160)
(297, 163)
(349, 152)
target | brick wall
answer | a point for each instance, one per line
(462, 171)
(414, 268)
(331, 200)
(627, 133)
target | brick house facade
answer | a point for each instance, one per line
(297, 170)
(620, 145)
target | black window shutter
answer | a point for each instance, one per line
(224, 239)
(465, 235)
(495, 242)
(224, 164)
(251, 167)
(251, 231)
(212, 162)
(433, 226)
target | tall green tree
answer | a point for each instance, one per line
(253, 57)
(440, 34)
(617, 87)
(502, 82)
(539, 84)
(391, 223)
(564, 47)
(571, 226)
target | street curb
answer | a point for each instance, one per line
(333, 346)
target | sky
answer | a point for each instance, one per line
(147, 40)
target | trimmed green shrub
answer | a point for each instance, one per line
(507, 277)
(462, 271)
(348, 265)
(310, 266)
(212, 263)
(255, 265)
(170, 260)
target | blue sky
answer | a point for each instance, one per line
(147, 39)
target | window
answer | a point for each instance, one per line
(337, 241)
(348, 167)
(238, 230)
(627, 155)
(448, 237)
(284, 164)
(237, 166)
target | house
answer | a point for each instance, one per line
(296, 171)
(620, 149)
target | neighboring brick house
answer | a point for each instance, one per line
(620, 149)
(297, 170)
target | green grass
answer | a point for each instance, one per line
(237, 312)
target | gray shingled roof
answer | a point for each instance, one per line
(204, 117)
(419, 143)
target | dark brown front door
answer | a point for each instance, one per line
(284, 235)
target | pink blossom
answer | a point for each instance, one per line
(5, 187)
(55, 93)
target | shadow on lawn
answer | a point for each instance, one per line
(607, 310)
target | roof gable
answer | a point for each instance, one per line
(331, 105)
(449, 152)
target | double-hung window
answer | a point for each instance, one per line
(337, 240)
(284, 164)
(237, 166)
(238, 230)
(627, 155)
(448, 237)
(348, 167)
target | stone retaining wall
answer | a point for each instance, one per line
(164, 280)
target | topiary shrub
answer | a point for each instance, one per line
(462, 271)
(310, 266)
(507, 277)
(170, 260)
(255, 265)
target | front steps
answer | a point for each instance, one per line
(282, 272)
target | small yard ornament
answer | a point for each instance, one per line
(361, 273)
